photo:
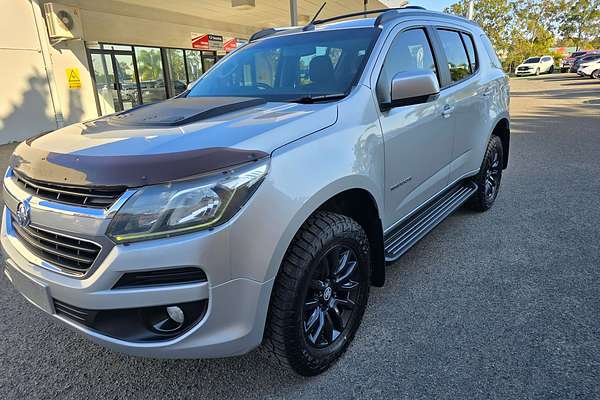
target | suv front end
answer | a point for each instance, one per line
(164, 295)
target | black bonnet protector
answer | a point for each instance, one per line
(139, 170)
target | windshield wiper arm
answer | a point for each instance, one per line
(314, 99)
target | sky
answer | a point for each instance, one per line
(435, 5)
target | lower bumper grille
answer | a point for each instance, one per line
(74, 256)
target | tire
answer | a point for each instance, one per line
(595, 74)
(312, 318)
(551, 70)
(489, 177)
(537, 72)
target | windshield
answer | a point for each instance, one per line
(577, 54)
(291, 67)
(532, 60)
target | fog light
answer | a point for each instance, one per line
(176, 314)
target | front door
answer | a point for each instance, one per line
(418, 138)
(116, 79)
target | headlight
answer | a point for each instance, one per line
(185, 206)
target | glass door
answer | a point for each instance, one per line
(116, 80)
(104, 78)
(127, 80)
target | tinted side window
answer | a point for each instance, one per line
(410, 51)
(489, 49)
(458, 63)
(546, 59)
(468, 40)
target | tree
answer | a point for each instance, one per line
(494, 16)
(580, 20)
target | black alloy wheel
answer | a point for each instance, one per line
(493, 174)
(332, 296)
(319, 295)
(489, 177)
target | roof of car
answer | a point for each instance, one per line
(384, 17)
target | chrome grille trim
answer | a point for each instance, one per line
(81, 196)
(71, 255)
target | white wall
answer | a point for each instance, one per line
(26, 106)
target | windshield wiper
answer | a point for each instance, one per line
(314, 99)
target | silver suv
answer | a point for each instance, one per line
(260, 205)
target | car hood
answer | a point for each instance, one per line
(149, 145)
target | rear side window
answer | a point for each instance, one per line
(470, 46)
(489, 49)
(546, 59)
(458, 62)
(410, 51)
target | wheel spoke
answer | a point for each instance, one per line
(345, 303)
(347, 286)
(314, 317)
(311, 304)
(321, 318)
(333, 329)
(347, 272)
(342, 261)
(336, 318)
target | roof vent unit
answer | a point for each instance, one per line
(63, 22)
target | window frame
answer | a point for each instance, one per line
(432, 46)
(477, 62)
(449, 83)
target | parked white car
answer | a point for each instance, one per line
(536, 66)
(591, 69)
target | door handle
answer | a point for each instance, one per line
(448, 110)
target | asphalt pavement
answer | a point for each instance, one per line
(499, 305)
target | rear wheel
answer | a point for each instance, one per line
(489, 176)
(320, 294)
(537, 72)
(595, 74)
(551, 70)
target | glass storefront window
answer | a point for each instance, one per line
(194, 64)
(150, 70)
(209, 59)
(177, 81)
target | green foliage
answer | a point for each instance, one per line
(524, 28)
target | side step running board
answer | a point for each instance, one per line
(417, 226)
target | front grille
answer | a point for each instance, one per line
(81, 196)
(74, 256)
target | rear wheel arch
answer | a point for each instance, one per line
(502, 130)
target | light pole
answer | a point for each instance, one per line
(294, 12)
(471, 9)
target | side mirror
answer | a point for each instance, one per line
(412, 87)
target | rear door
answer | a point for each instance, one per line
(417, 138)
(468, 92)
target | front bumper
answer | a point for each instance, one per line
(236, 307)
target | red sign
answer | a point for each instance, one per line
(230, 45)
(207, 41)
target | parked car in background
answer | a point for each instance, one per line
(588, 57)
(567, 62)
(591, 69)
(536, 66)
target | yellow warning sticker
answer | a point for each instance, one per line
(73, 79)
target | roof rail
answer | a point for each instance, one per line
(358, 14)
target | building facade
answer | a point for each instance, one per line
(74, 60)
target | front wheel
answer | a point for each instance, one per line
(489, 176)
(537, 72)
(320, 294)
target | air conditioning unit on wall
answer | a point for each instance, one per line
(63, 22)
